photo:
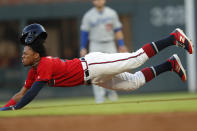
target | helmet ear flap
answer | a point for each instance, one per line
(43, 35)
(38, 40)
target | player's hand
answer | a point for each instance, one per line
(83, 52)
(7, 108)
(122, 49)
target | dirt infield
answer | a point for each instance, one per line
(132, 122)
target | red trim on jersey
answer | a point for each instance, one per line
(117, 60)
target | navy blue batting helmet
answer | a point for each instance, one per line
(33, 34)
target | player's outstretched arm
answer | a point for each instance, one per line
(16, 98)
(83, 43)
(120, 39)
(28, 97)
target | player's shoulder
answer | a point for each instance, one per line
(90, 12)
(110, 10)
(46, 60)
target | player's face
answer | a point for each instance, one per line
(99, 3)
(29, 56)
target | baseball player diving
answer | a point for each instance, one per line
(100, 26)
(103, 69)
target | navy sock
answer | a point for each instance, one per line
(166, 66)
(152, 72)
(163, 43)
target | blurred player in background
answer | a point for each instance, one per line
(101, 26)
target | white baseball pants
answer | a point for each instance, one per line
(110, 70)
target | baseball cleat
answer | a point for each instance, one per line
(177, 67)
(182, 40)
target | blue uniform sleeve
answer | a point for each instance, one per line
(28, 97)
(117, 29)
(30, 94)
(120, 41)
(84, 39)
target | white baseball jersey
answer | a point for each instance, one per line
(101, 26)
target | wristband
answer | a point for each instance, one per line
(121, 42)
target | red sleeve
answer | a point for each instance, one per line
(44, 70)
(30, 78)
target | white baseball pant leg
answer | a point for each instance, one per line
(125, 81)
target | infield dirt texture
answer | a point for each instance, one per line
(162, 112)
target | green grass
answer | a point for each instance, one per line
(170, 102)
